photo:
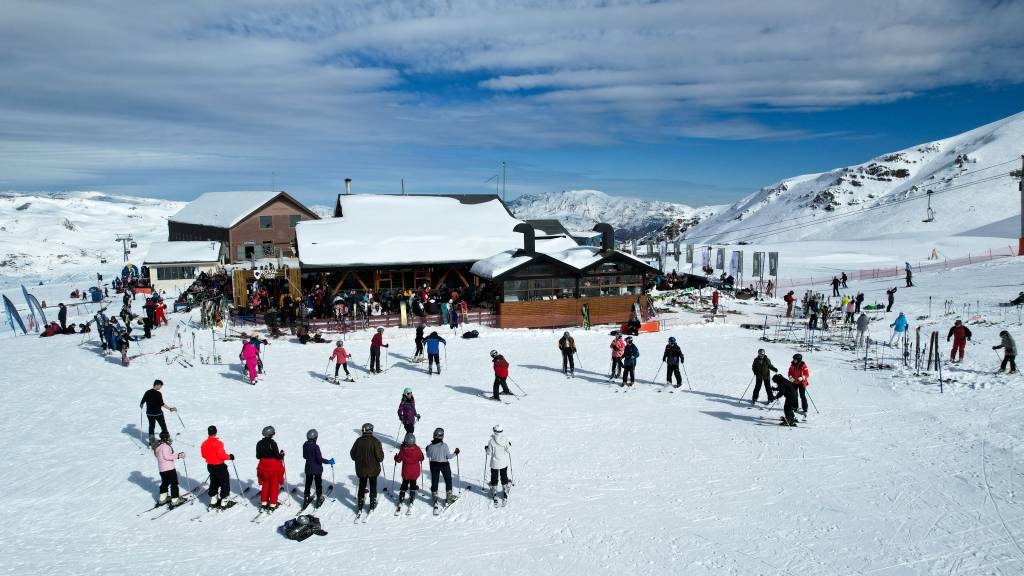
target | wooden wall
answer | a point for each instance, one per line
(567, 311)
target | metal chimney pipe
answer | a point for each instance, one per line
(607, 236)
(529, 241)
(348, 186)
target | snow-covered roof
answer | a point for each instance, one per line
(386, 230)
(179, 252)
(222, 209)
(561, 248)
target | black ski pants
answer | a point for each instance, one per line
(169, 479)
(433, 359)
(628, 374)
(786, 389)
(339, 366)
(673, 370)
(153, 420)
(494, 476)
(419, 347)
(437, 469)
(372, 481)
(567, 361)
(1010, 359)
(374, 358)
(803, 397)
(220, 480)
(888, 308)
(311, 480)
(409, 486)
(499, 382)
(762, 380)
(616, 365)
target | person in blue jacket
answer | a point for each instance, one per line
(434, 342)
(314, 468)
(899, 327)
(629, 356)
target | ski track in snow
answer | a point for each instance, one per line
(890, 478)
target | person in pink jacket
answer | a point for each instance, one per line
(411, 458)
(251, 356)
(618, 347)
(165, 458)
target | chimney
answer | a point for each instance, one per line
(607, 236)
(529, 242)
(348, 186)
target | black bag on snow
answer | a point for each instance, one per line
(470, 334)
(302, 527)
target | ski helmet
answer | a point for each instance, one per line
(760, 351)
(407, 391)
(367, 428)
(438, 433)
(1004, 333)
(268, 431)
(165, 435)
(798, 357)
(410, 439)
(339, 343)
(497, 429)
(629, 338)
(672, 339)
(380, 329)
(311, 434)
(565, 333)
(494, 353)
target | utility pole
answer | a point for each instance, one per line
(1020, 186)
(403, 186)
(503, 180)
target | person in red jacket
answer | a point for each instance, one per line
(411, 458)
(789, 299)
(618, 347)
(500, 375)
(160, 314)
(798, 373)
(960, 335)
(714, 301)
(376, 343)
(213, 452)
(340, 356)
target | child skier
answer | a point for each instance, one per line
(407, 411)
(340, 357)
(439, 455)
(314, 468)
(212, 450)
(376, 343)
(629, 356)
(500, 366)
(568, 347)
(434, 342)
(498, 451)
(672, 358)
(270, 470)
(1009, 351)
(250, 356)
(799, 374)
(787, 390)
(418, 355)
(367, 454)
(617, 346)
(165, 458)
(410, 456)
(960, 335)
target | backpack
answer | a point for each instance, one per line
(302, 527)
(470, 334)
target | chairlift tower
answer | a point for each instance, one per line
(931, 213)
(127, 242)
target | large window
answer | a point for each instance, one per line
(538, 289)
(268, 249)
(175, 272)
(611, 285)
(266, 222)
(293, 220)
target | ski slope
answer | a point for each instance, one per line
(891, 477)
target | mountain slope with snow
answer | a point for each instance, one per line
(970, 175)
(579, 210)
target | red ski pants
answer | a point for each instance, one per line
(958, 346)
(270, 474)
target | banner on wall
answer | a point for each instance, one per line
(720, 259)
(689, 253)
(773, 263)
(758, 263)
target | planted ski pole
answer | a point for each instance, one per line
(683, 366)
(184, 466)
(458, 473)
(330, 488)
(238, 479)
(812, 402)
(178, 414)
(657, 372)
(327, 369)
(744, 395)
(578, 360)
(517, 385)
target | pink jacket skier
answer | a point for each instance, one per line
(250, 355)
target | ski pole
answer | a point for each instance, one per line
(327, 369)
(458, 474)
(239, 480)
(331, 488)
(658, 372)
(393, 481)
(284, 488)
(184, 465)
(387, 354)
(687, 377)
(517, 385)
(486, 454)
(511, 476)
(812, 401)
(578, 360)
(176, 413)
(741, 396)
(141, 425)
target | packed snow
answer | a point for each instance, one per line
(173, 252)
(223, 209)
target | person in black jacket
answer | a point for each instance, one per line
(788, 390)
(418, 355)
(672, 358)
(367, 453)
(762, 368)
(154, 402)
(568, 347)
(62, 317)
(314, 468)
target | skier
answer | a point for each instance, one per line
(367, 454)
(62, 317)
(340, 356)
(835, 286)
(256, 341)
(617, 346)
(314, 468)
(843, 279)
(165, 458)
(375, 345)
(568, 347)
(891, 295)
(672, 358)
(500, 375)
(212, 450)
(799, 373)
(789, 299)
(787, 390)
(910, 273)
(850, 309)
(418, 356)
(629, 356)
(762, 368)
(439, 455)
(899, 328)
(160, 314)
(453, 316)
(433, 342)
(407, 414)
(714, 302)
(862, 328)
(154, 402)
(961, 335)
(250, 356)
(411, 458)
(270, 470)
(498, 450)
(859, 300)
(1009, 351)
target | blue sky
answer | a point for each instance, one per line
(696, 102)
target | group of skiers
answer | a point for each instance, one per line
(789, 389)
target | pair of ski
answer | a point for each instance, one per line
(492, 398)
(217, 509)
(362, 517)
(337, 381)
(263, 514)
(170, 508)
(442, 506)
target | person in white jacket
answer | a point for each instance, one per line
(499, 452)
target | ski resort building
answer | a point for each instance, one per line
(251, 225)
(547, 282)
(173, 266)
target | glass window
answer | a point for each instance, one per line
(611, 285)
(176, 273)
(240, 252)
(268, 249)
(266, 222)
(539, 289)
(293, 220)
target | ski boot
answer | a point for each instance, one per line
(175, 502)
(373, 503)
(319, 501)
(306, 500)
(398, 507)
(163, 498)
(359, 506)
(505, 489)
(214, 501)
(494, 494)
(408, 505)
(449, 499)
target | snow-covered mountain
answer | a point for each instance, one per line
(579, 210)
(70, 236)
(973, 176)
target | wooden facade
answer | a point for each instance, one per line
(241, 279)
(567, 312)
